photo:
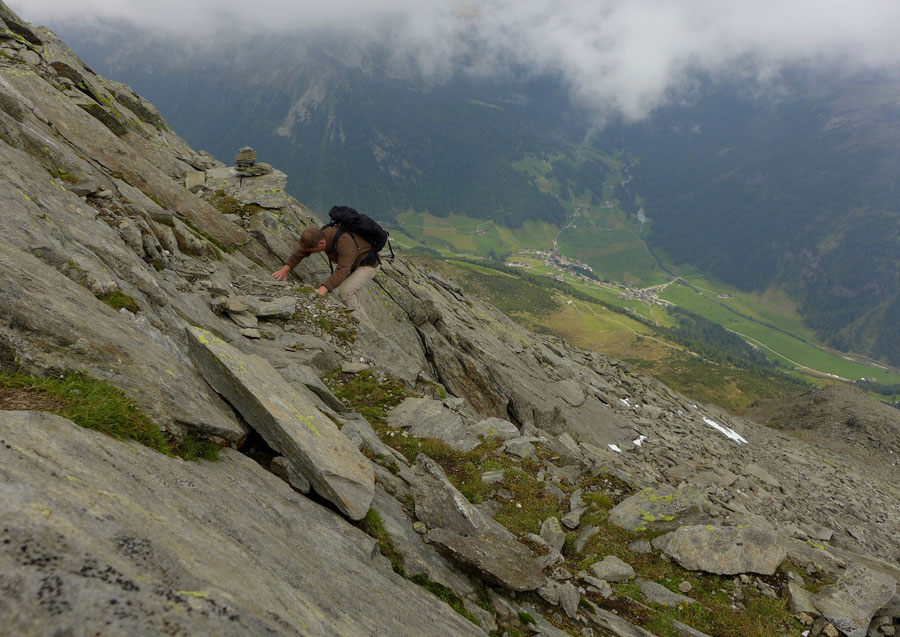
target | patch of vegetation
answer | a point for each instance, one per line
(761, 616)
(369, 394)
(725, 385)
(225, 204)
(94, 404)
(530, 503)
(526, 619)
(115, 174)
(446, 595)
(118, 300)
(228, 205)
(325, 323)
(192, 447)
(62, 175)
(373, 526)
(218, 246)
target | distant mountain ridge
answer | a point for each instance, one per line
(798, 193)
(802, 195)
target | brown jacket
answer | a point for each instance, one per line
(349, 251)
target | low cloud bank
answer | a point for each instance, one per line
(618, 56)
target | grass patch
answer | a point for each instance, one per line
(526, 619)
(62, 175)
(374, 527)
(228, 205)
(225, 204)
(370, 395)
(761, 616)
(192, 448)
(118, 300)
(94, 404)
(446, 595)
(218, 246)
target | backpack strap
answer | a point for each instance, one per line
(337, 236)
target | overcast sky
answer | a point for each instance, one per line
(625, 55)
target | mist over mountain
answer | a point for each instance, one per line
(788, 182)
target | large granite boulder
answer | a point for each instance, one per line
(724, 550)
(100, 536)
(288, 422)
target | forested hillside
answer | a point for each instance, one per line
(799, 193)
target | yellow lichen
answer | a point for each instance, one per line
(196, 594)
(308, 421)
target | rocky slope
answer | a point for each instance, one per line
(514, 476)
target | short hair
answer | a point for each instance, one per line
(310, 238)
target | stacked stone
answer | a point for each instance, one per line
(247, 166)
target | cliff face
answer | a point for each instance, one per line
(509, 465)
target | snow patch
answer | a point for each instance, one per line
(639, 441)
(728, 431)
(615, 448)
(625, 402)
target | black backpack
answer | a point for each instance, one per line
(353, 222)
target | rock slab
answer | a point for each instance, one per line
(612, 569)
(659, 594)
(724, 550)
(662, 509)
(426, 418)
(507, 563)
(468, 536)
(851, 602)
(289, 423)
(93, 526)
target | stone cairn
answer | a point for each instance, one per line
(247, 166)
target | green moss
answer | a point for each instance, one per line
(373, 526)
(446, 595)
(193, 448)
(225, 204)
(218, 246)
(115, 174)
(62, 175)
(530, 504)
(118, 300)
(368, 394)
(325, 323)
(94, 404)
(526, 619)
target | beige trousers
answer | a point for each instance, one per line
(351, 287)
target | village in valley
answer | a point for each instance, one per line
(585, 274)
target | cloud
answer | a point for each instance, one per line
(625, 56)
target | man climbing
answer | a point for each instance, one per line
(348, 250)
